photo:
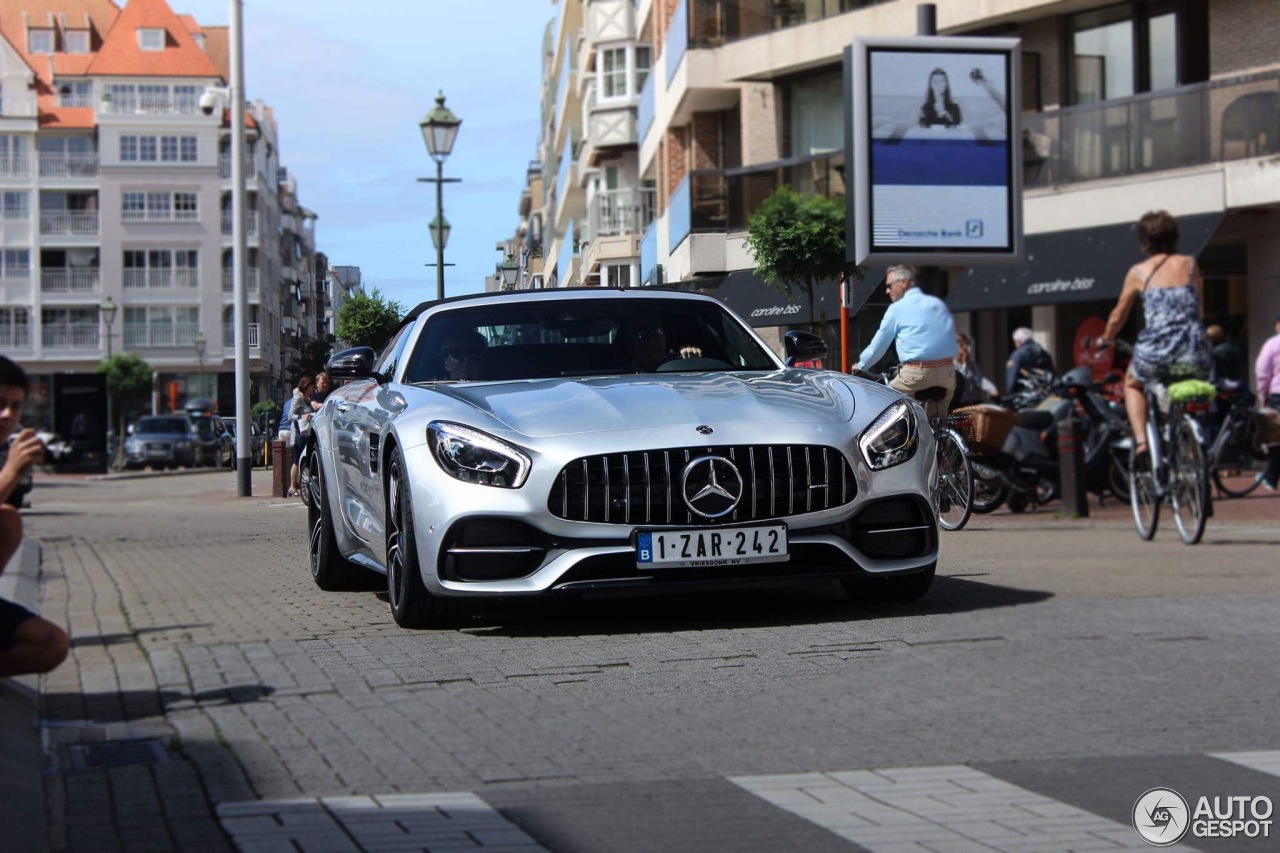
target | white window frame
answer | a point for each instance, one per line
(159, 206)
(80, 94)
(36, 40)
(15, 205)
(15, 327)
(147, 38)
(617, 77)
(615, 275)
(75, 41)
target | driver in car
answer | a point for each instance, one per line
(645, 342)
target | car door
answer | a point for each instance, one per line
(361, 412)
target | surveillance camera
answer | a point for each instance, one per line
(208, 103)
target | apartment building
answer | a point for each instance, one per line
(340, 284)
(1128, 106)
(586, 204)
(115, 209)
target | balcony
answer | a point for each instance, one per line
(1194, 125)
(624, 211)
(75, 336)
(700, 203)
(160, 334)
(69, 280)
(69, 224)
(161, 278)
(15, 338)
(250, 223)
(250, 166)
(250, 281)
(68, 165)
(678, 38)
(15, 166)
(713, 23)
(229, 336)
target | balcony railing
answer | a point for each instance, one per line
(250, 165)
(161, 278)
(69, 280)
(1191, 125)
(700, 203)
(159, 214)
(79, 100)
(250, 222)
(160, 334)
(229, 335)
(624, 211)
(677, 38)
(71, 224)
(14, 167)
(716, 22)
(15, 337)
(68, 165)
(15, 274)
(250, 281)
(74, 336)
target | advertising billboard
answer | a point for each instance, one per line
(935, 143)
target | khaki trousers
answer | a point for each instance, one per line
(912, 379)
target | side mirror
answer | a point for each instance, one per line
(354, 363)
(804, 349)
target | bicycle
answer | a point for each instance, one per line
(1237, 449)
(1174, 466)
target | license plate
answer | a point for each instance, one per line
(721, 546)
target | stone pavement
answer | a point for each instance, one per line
(217, 700)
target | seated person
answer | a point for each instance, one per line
(464, 353)
(644, 339)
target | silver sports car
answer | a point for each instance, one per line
(557, 441)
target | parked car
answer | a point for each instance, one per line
(161, 441)
(214, 445)
(573, 460)
(255, 441)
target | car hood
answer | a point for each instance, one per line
(552, 407)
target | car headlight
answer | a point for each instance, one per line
(474, 457)
(132, 446)
(891, 439)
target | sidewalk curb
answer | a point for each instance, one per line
(142, 475)
(21, 783)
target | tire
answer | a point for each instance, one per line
(953, 494)
(898, 588)
(1144, 500)
(330, 570)
(1232, 453)
(989, 491)
(412, 606)
(1189, 478)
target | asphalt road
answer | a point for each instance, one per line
(1057, 671)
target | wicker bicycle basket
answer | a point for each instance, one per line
(984, 427)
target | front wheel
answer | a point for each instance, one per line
(329, 569)
(989, 491)
(412, 605)
(953, 492)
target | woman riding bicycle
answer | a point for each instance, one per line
(1174, 341)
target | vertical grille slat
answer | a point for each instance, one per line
(788, 475)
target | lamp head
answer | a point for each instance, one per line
(440, 232)
(108, 309)
(439, 130)
(510, 271)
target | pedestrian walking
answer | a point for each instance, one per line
(1268, 372)
(299, 412)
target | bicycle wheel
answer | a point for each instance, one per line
(989, 491)
(953, 493)
(1233, 458)
(1189, 482)
(1144, 498)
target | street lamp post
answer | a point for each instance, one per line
(439, 130)
(108, 309)
(199, 341)
(510, 272)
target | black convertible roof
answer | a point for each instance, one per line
(516, 294)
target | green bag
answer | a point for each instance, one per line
(1191, 389)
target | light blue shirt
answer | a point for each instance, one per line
(922, 326)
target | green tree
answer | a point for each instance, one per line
(797, 241)
(368, 320)
(128, 381)
(266, 413)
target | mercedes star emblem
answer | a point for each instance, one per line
(705, 430)
(711, 486)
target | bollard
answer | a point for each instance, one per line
(1075, 500)
(280, 459)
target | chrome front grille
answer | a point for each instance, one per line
(643, 487)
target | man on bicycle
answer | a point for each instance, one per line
(921, 327)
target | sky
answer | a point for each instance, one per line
(349, 81)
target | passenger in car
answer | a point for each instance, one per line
(464, 354)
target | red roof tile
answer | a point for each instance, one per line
(121, 55)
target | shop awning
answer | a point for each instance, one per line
(761, 305)
(1069, 266)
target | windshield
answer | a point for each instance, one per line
(161, 425)
(586, 337)
(203, 425)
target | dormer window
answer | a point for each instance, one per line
(150, 39)
(75, 41)
(39, 41)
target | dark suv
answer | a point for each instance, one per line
(214, 445)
